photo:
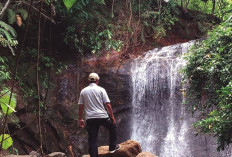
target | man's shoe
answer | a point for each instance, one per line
(115, 149)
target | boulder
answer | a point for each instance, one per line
(128, 149)
(146, 154)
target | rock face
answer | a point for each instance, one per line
(59, 127)
(127, 149)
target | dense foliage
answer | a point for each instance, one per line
(4, 70)
(209, 72)
(221, 9)
(96, 25)
(87, 26)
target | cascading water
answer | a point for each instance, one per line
(160, 121)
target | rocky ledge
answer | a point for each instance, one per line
(127, 149)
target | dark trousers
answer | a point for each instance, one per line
(93, 127)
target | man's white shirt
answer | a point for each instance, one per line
(93, 97)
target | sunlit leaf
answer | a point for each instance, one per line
(7, 141)
(69, 3)
(4, 102)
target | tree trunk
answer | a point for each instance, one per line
(160, 6)
(186, 6)
(212, 12)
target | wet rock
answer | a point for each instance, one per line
(60, 128)
(128, 149)
(146, 154)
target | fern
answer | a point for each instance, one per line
(23, 13)
(11, 16)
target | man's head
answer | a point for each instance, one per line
(93, 78)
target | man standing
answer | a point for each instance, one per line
(98, 111)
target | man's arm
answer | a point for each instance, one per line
(110, 111)
(81, 121)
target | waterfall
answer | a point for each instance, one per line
(160, 121)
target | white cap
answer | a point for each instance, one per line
(93, 77)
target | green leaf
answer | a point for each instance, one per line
(69, 3)
(7, 142)
(4, 101)
(7, 34)
(11, 16)
(8, 28)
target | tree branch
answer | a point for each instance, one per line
(45, 16)
(5, 7)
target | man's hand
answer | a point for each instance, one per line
(114, 121)
(81, 123)
(110, 111)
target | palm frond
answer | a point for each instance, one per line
(8, 28)
(6, 34)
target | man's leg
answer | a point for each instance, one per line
(107, 122)
(92, 128)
